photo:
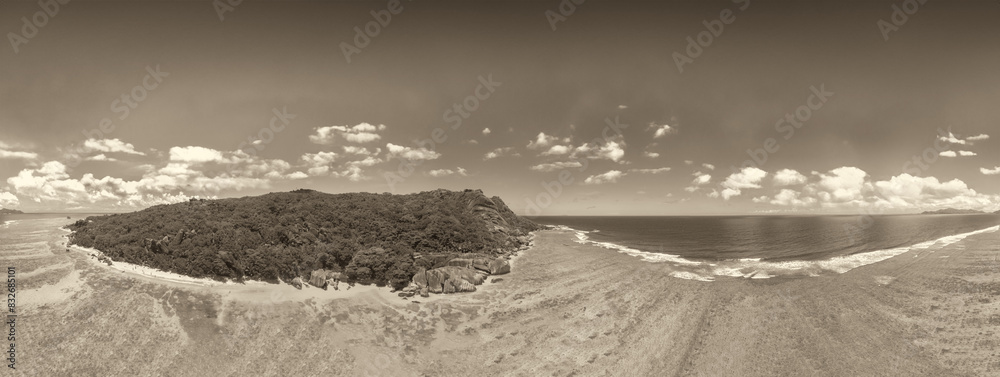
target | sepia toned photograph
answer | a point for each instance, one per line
(500, 187)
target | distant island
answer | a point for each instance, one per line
(8, 211)
(953, 211)
(430, 241)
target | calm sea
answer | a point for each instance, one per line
(765, 246)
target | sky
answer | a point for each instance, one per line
(559, 108)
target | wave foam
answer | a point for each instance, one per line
(755, 268)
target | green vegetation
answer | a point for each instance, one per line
(372, 238)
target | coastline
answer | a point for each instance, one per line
(566, 308)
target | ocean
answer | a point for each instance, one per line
(707, 247)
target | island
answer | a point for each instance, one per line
(952, 211)
(8, 211)
(430, 242)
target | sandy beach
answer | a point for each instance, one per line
(565, 309)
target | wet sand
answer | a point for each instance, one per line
(565, 309)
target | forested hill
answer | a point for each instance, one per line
(371, 237)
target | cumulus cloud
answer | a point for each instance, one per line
(993, 171)
(907, 191)
(661, 130)
(609, 177)
(8, 200)
(486, 131)
(748, 178)
(708, 166)
(651, 154)
(650, 171)
(787, 197)
(360, 133)
(411, 154)
(319, 163)
(447, 172)
(841, 185)
(547, 167)
(788, 177)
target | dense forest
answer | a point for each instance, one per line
(372, 238)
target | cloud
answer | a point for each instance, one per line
(110, 146)
(411, 154)
(622, 107)
(319, 163)
(708, 166)
(978, 137)
(788, 177)
(499, 152)
(360, 133)
(661, 130)
(993, 171)
(6, 154)
(841, 185)
(557, 150)
(360, 151)
(8, 200)
(448, 172)
(195, 154)
(612, 149)
(952, 138)
(556, 166)
(651, 154)
(792, 198)
(101, 157)
(907, 191)
(953, 154)
(748, 178)
(699, 180)
(486, 131)
(650, 171)
(609, 177)
(688, 162)
(544, 141)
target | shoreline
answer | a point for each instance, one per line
(755, 268)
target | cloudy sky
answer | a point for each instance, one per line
(601, 108)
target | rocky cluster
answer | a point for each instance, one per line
(320, 279)
(458, 275)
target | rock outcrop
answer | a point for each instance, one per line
(448, 279)
(297, 283)
(324, 279)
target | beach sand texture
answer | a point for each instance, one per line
(565, 309)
